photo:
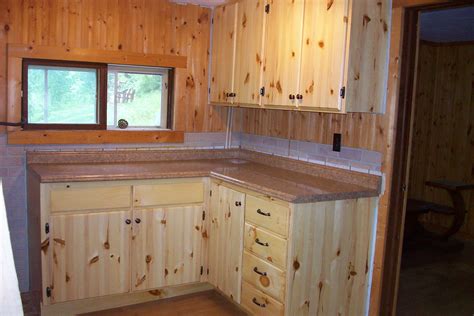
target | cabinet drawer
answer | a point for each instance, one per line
(168, 193)
(267, 214)
(265, 245)
(264, 276)
(258, 303)
(70, 198)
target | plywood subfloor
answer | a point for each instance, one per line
(437, 283)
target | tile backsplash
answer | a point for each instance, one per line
(349, 158)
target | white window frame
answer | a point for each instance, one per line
(164, 72)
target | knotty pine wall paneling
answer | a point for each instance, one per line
(143, 26)
(443, 135)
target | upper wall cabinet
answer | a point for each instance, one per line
(325, 56)
(223, 54)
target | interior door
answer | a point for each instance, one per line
(249, 49)
(166, 246)
(283, 35)
(223, 53)
(323, 54)
(90, 255)
(226, 240)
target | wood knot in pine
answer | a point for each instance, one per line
(148, 259)
(296, 264)
(94, 260)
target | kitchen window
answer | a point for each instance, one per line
(79, 95)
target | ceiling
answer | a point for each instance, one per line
(448, 25)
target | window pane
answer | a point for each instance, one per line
(135, 97)
(60, 95)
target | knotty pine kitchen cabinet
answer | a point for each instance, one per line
(223, 57)
(105, 238)
(226, 240)
(293, 259)
(236, 61)
(323, 56)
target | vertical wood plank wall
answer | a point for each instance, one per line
(443, 135)
(144, 26)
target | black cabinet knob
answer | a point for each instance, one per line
(137, 220)
(238, 203)
(291, 96)
(299, 96)
(128, 222)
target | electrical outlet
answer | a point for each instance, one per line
(336, 142)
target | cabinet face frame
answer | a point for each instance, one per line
(223, 44)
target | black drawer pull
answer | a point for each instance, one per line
(258, 272)
(261, 243)
(254, 300)
(259, 211)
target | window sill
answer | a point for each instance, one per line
(57, 137)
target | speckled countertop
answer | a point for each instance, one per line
(300, 183)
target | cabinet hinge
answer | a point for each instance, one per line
(212, 21)
(48, 291)
(267, 8)
(202, 270)
(46, 228)
(210, 193)
(207, 271)
(203, 215)
(209, 90)
(342, 93)
(262, 91)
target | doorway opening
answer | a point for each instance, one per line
(429, 268)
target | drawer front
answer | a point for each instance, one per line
(168, 193)
(267, 214)
(258, 303)
(70, 198)
(265, 245)
(264, 276)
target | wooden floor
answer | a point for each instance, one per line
(208, 303)
(437, 283)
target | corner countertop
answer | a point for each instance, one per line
(281, 183)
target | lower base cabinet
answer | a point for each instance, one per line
(100, 240)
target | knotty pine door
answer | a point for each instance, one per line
(249, 50)
(166, 246)
(223, 54)
(90, 255)
(323, 54)
(226, 240)
(282, 57)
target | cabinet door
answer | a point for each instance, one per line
(248, 56)
(90, 255)
(166, 246)
(282, 51)
(223, 53)
(226, 240)
(323, 54)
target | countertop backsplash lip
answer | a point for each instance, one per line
(281, 177)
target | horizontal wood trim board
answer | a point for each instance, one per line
(93, 137)
(95, 55)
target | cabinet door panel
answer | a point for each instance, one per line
(323, 53)
(248, 56)
(223, 53)
(282, 51)
(226, 240)
(166, 246)
(90, 255)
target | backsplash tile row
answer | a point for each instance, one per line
(355, 159)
